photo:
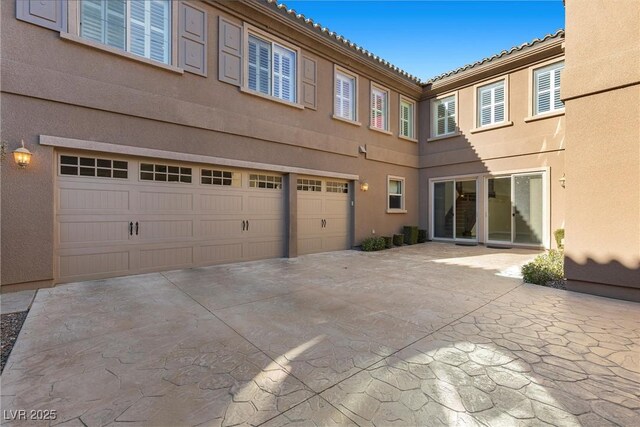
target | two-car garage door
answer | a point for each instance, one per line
(118, 216)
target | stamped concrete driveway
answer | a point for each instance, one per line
(432, 334)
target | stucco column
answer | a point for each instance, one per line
(291, 214)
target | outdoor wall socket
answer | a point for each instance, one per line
(373, 231)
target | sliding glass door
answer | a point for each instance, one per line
(515, 209)
(455, 209)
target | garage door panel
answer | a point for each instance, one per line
(309, 226)
(220, 228)
(220, 253)
(93, 232)
(99, 200)
(265, 227)
(157, 202)
(165, 229)
(309, 245)
(337, 207)
(309, 205)
(265, 204)
(153, 259)
(336, 226)
(334, 243)
(91, 264)
(221, 203)
(263, 249)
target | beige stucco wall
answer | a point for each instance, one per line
(522, 146)
(52, 86)
(602, 99)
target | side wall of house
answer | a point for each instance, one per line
(602, 97)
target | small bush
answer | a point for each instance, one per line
(388, 242)
(398, 239)
(545, 268)
(410, 235)
(559, 235)
(422, 236)
(374, 243)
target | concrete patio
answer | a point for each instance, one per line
(433, 334)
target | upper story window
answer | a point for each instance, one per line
(491, 104)
(142, 27)
(271, 69)
(443, 112)
(407, 118)
(345, 96)
(379, 108)
(546, 81)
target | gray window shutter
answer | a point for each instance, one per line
(50, 14)
(229, 52)
(309, 87)
(192, 36)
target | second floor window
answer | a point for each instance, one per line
(142, 27)
(491, 104)
(379, 108)
(443, 116)
(345, 96)
(272, 69)
(406, 119)
(546, 82)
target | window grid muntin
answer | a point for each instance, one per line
(337, 187)
(305, 184)
(93, 167)
(264, 181)
(219, 177)
(158, 172)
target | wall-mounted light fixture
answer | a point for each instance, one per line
(364, 185)
(22, 156)
(563, 181)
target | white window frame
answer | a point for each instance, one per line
(412, 121)
(249, 30)
(478, 127)
(385, 108)
(434, 116)
(339, 70)
(553, 85)
(532, 98)
(75, 20)
(402, 194)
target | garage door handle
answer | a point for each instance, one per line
(137, 227)
(247, 225)
(244, 225)
(131, 229)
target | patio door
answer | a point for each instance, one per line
(455, 210)
(515, 209)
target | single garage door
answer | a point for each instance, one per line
(118, 216)
(323, 215)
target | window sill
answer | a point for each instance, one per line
(386, 132)
(406, 138)
(447, 136)
(544, 116)
(271, 98)
(342, 119)
(491, 127)
(396, 211)
(77, 39)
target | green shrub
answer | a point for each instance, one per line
(410, 235)
(545, 268)
(559, 235)
(398, 239)
(388, 242)
(373, 243)
(422, 236)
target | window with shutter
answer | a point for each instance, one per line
(345, 96)
(491, 104)
(443, 116)
(406, 119)
(379, 100)
(272, 69)
(142, 27)
(547, 88)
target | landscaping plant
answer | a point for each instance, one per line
(388, 242)
(398, 239)
(410, 235)
(545, 268)
(422, 236)
(559, 235)
(374, 243)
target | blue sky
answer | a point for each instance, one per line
(427, 38)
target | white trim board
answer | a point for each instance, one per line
(78, 144)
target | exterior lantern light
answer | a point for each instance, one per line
(563, 180)
(364, 186)
(22, 156)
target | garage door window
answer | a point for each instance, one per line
(91, 166)
(309, 185)
(337, 187)
(219, 177)
(164, 173)
(265, 181)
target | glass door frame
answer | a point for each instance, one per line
(454, 179)
(545, 208)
